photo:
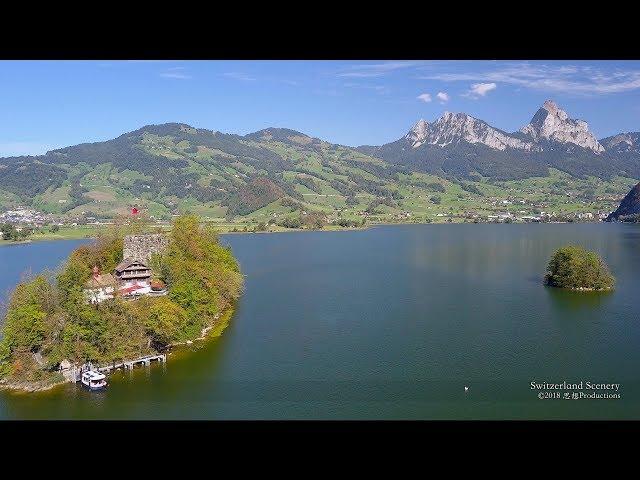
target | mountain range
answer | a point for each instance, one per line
(171, 166)
(462, 145)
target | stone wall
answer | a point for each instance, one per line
(140, 247)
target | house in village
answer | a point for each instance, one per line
(132, 277)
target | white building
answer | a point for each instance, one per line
(99, 287)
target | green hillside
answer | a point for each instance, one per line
(277, 174)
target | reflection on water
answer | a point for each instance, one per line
(568, 300)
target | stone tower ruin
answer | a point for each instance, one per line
(141, 247)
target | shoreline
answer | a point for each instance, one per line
(580, 289)
(288, 230)
(26, 387)
(20, 242)
(207, 333)
(221, 321)
(226, 232)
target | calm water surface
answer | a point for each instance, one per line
(386, 323)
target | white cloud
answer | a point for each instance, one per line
(179, 76)
(374, 69)
(425, 97)
(567, 79)
(147, 61)
(380, 89)
(177, 73)
(443, 97)
(243, 77)
(480, 89)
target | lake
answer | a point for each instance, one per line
(385, 323)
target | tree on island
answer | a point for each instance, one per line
(576, 268)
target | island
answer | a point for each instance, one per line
(122, 297)
(575, 268)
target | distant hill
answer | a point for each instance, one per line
(554, 162)
(166, 166)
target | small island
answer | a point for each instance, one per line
(575, 268)
(122, 297)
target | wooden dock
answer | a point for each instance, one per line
(129, 364)
(75, 373)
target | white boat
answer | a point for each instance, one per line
(93, 380)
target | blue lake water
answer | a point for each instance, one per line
(385, 323)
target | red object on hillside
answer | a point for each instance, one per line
(134, 211)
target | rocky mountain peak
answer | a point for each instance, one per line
(456, 127)
(623, 142)
(553, 109)
(418, 133)
(552, 123)
(421, 125)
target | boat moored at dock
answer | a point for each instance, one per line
(93, 380)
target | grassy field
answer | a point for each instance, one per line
(67, 233)
(223, 227)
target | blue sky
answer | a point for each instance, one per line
(50, 104)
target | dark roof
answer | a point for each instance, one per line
(126, 263)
